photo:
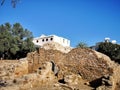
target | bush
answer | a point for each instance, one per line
(111, 50)
(82, 45)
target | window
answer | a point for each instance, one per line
(63, 40)
(37, 41)
(42, 40)
(51, 39)
(46, 39)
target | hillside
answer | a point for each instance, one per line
(51, 69)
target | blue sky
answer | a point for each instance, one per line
(87, 21)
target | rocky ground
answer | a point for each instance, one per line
(50, 69)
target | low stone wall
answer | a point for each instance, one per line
(10, 69)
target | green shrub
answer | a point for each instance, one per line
(110, 49)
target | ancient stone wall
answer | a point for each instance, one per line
(10, 69)
(84, 62)
(35, 59)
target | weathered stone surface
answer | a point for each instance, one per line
(54, 70)
(85, 62)
(9, 69)
(72, 79)
(56, 46)
(44, 77)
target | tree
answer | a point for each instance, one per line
(13, 2)
(82, 45)
(15, 42)
(110, 49)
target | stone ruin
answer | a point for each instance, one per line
(80, 68)
(87, 63)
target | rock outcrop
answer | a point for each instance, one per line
(10, 69)
(90, 65)
(50, 69)
(56, 46)
(43, 78)
(84, 62)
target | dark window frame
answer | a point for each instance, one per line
(46, 39)
(42, 40)
(51, 39)
(37, 41)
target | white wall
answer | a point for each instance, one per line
(62, 41)
(52, 38)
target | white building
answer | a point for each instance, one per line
(114, 42)
(40, 41)
(107, 39)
